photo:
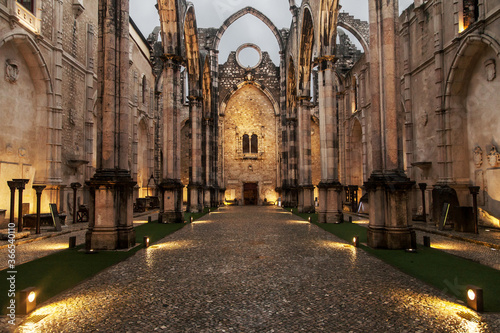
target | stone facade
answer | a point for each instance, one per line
(50, 132)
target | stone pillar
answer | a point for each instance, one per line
(111, 188)
(21, 183)
(38, 189)
(195, 203)
(13, 186)
(75, 187)
(388, 186)
(330, 188)
(171, 185)
(306, 189)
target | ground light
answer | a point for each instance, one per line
(191, 219)
(309, 219)
(145, 241)
(427, 241)
(475, 298)
(27, 300)
(355, 241)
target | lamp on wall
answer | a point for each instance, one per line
(250, 168)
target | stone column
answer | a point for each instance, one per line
(306, 189)
(38, 189)
(171, 185)
(111, 188)
(388, 186)
(13, 186)
(195, 187)
(208, 188)
(21, 183)
(330, 188)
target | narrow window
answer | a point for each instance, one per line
(28, 4)
(246, 144)
(470, 13)
(255, 142)
(144, 90)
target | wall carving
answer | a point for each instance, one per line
(478, 157)
(11, 71)
(493, 157)
(490, 69)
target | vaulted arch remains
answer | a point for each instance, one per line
(305, 52)
(192, 50)
(236, 16)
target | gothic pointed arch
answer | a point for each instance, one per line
(262, 88)
(456, 136)
(306, 51)
(192, 50)
(360, 30)
(207, 87)
(169, 19)
(328, 26)
(37, 64)
(236, 16)
(291, 89)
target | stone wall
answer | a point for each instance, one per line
(249, 111)
(51, 115)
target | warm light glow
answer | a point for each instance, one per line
(444, 246)
(174, 245)
(297, 222)
(141, 222)
(31, 296)
(471, 294)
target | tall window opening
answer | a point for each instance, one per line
(144, 89)
(254, 144)
(28, 4)
(246, 144)
(250, 144)
(470, 12)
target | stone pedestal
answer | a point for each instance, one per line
(306, 199)
(207, 194)
(195, 198)
(111, 213)
(390, 214)
(171, 201)
(330, 203)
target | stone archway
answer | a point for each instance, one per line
(472, 86)
(29, 127)
(236, 16)
(360, 30)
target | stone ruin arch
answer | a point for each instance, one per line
(239, 14)
(360, 29)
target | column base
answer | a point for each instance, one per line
(171, 211)
(390, 216)
(110, 213)
(306, 199)
(172, 217)
(330, 199)
(195, 199)
(398, 239)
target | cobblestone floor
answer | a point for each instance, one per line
(247, 269)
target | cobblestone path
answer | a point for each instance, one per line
(255, 269)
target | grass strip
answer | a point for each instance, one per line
(445, 271)
(62, 270)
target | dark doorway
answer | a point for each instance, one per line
(250, 194)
